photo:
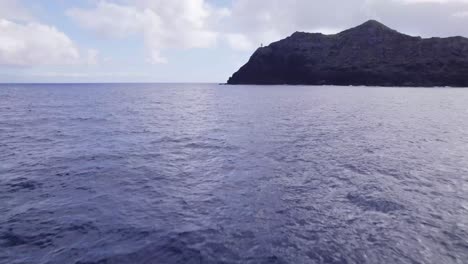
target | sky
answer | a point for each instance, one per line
(184, 40)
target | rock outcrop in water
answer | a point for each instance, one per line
(370, 54)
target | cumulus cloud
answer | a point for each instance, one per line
(34, 44)
(92, 57)
(13, 10)
(433, 1)
(426, 18)
(26, 42)
(239, 41)
(163, 24)
(262, 22)
(113, 19)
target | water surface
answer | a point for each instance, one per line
(195, 173)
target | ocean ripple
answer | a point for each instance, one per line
(158, 173)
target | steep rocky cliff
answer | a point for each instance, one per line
(370, 54)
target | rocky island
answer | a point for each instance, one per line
(370, 54)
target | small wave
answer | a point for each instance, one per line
(88, 119)
(202, 146)
(22, 184)
(11, 239)
(167, 139)
(374, 204)
(356, 169)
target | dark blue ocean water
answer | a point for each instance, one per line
(158, 173)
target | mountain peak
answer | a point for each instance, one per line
(373, 23)
(370, 27)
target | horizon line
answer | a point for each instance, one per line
(9, 83)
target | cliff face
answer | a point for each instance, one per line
(370, 54)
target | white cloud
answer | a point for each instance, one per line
(461, 14)
(92, 57)
(263, 22)
(13, 10)
(433, 1)
(35, 44)
(112, 19)
(26, 42)
(57, 74)
(239, 41)
(163, 24)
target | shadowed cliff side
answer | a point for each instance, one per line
(370, 54)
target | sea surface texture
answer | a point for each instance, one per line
(202, 173)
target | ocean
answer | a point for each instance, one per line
(206, 173)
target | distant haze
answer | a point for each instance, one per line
(184, 40)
